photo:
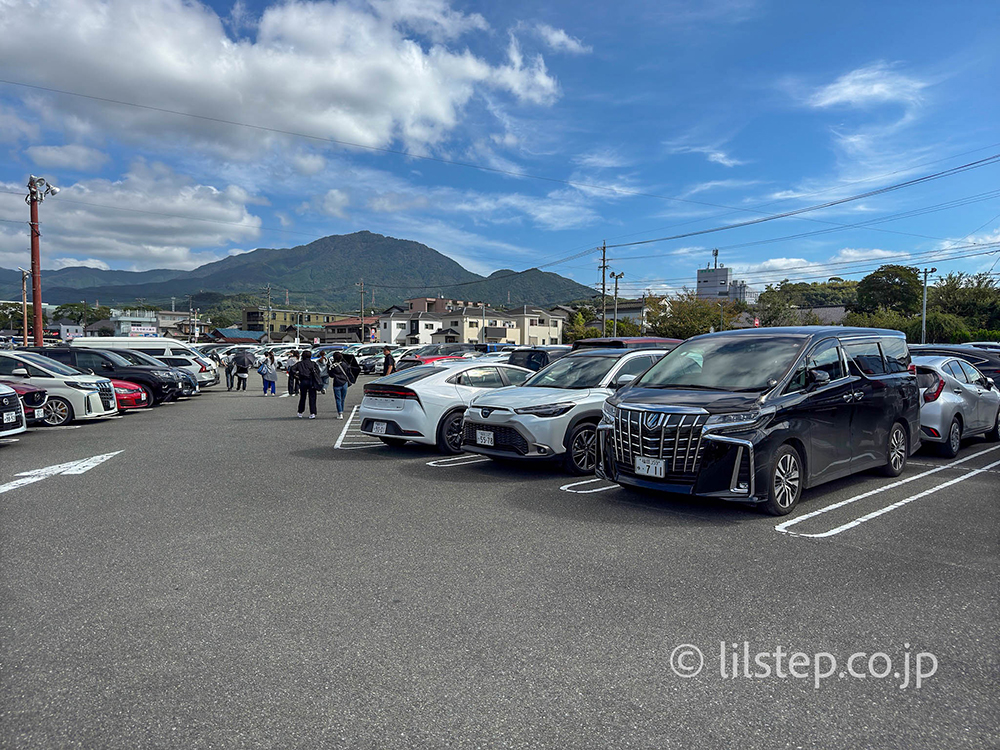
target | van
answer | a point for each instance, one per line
(154, 346)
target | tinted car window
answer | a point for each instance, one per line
(634, 366)
(866, 356)
(826, 357)
(90, 361)
(154, 351)
(955, 371)
(49, 364)
(516, 377)
(926, 378)
(481, 377)
(574, 372)
(60, 355)
(971, 374)
(897, 358)
(8, 365)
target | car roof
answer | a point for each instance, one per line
(808, 332)
(932, 360)
(615, 353)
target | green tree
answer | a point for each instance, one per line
(626, 327)
(689, 316)
(973, 297)
(575, 329)
(773, 307)
(81, 313)
(891, 287)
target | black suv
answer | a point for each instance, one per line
(537, 357)
(758, 415)
(987, 361)
(158, 382)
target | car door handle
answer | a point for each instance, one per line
(957, 390)
(858, 395)
(848, 397)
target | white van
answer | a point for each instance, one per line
(154, 346)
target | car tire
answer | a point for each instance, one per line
(950, 447)
(392, 441)
(449, 433)
(994, 434)
(581, 449)
(58, 411)
(784, 484)
(897, 450)
(150, 398)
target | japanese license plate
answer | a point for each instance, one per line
(9, 417)
(484, 437)
(378, 428)
(649, 467)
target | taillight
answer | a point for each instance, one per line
(912, 369)
(385, 391)
(203, 368)
(930, 395)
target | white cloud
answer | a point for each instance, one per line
(308, 163)
(712, 152)
(704, 187)
(872, 85)
(12, 127)
(150, 218)
(604, 158)
(57, 263)
(73, 156)
(559, 41)
(334, 203)
(339, 70)
(850, 254)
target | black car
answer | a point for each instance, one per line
(758, 415)
(187, 385)
(987, 361)
(158, 382)
(537, 357)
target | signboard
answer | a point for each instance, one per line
(315, 342)
(142, 330)
(756, 322)
(372, 335)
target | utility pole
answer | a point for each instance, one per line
(616, 277)
(642, 316)
(24, 304)
(604, 288)
(38, 188)
(361, 284)
(923, 315)
(190, 317)
(267, 323)
(722, 317)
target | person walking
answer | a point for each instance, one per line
(388, 364)
(242, 373)
(324, 371)
(341, 377)
(230, 368)
(269, 372)
(290, 361)
(309, 381)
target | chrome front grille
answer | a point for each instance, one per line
(107, 392)
(674, 437)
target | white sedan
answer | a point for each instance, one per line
(425, 404)
(72, 393)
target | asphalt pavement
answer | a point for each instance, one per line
(221, 574)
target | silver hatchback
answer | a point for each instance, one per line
(956, 401)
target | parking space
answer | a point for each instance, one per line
(239, 576)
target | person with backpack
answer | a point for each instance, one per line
(269, 373)
(340, 373)
(309, 382)
(230, 369)
(324, 371)
(290, 361)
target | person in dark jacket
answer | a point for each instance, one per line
(309, 381)
(388, 364)
(340, 374)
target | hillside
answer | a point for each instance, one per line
(323, 273)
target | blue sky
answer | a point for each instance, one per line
(650, 119)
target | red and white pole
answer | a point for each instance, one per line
(36, 271)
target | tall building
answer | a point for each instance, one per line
(717, 283)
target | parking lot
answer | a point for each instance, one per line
(218, 573)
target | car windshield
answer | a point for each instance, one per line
(725, 363)
(50, 364)
(573, 372)
(140, 358)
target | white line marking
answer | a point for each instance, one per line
(444, 463)
(567, 487)
(8, 441)
(72, 467)
(900, 504)
(65, 427)
(783, 527)
(347, 426)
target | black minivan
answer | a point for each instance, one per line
(758, 415)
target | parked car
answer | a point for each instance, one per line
(130, 395)
(984, 360)
(957, 401)
(365, 350)
(990, 345)
(12, 420)
(554, 415)
(425, 404)
(626, 342)
(32, 400)
(159, 385)
(205, 375)
(537, 357)
(758, 415)
(181, 377)
(429, 353)
(72, 394)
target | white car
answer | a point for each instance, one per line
(72, 393)
(200, 367)
(367, 350)
(12, 419)
(425, 404)
(555, 413)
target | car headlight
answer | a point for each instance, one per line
(546, 410)
(80, 386)
(124, 391)
(739, 421)
(164, 374)
(607, 413)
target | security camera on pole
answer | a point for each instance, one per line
(38, 188)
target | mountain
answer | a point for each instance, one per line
(322, 274)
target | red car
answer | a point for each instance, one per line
(129, 395)
(32, 399)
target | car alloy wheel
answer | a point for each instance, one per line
(450, 433)
(787, 480)
(57, 412)
(950, 448)
(582, 453)
(897, 448)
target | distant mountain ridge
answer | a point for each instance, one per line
(325, 273)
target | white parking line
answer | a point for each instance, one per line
(569, 487)
(444, 463)
(8, 441)
(342, 443)
(783, 527)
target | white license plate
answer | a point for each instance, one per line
(649, 467)
(9, 417)
(378, 428)
(484, 437)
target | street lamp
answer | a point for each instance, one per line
(38, 188)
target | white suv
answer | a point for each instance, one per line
(72, 393)
(12, 420)
(555, 413)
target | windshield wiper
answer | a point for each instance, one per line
(684, 387)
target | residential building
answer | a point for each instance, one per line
(537, 327)
(467, 325)
(256, 319)
(437, 304)
(134, 322)
(348, 330)
(168, 322)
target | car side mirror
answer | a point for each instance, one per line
(990, 383)
(21, 372)
(107, 366)
(624, 380)
(816, 379)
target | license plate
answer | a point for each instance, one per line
(9, 417)
(484, 437)
(649, 467)
(378, 428)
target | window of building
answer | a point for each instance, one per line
(533, 322)
(428, 326)
(400, 326)
(473, 324)
(455, 323)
